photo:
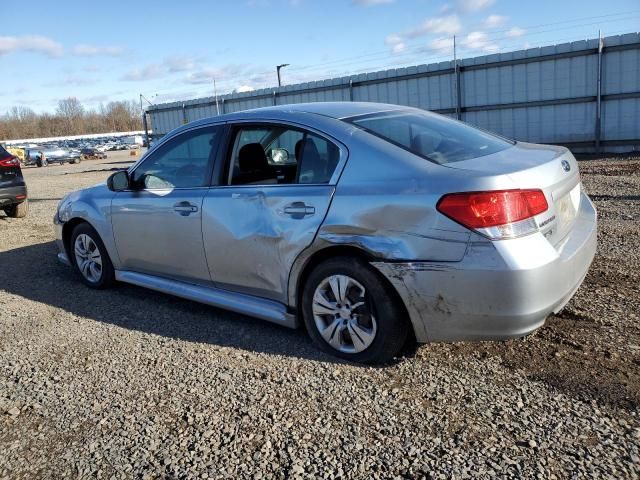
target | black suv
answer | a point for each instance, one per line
(91, 153)
(13, 190)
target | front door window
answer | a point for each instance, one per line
(181, 163)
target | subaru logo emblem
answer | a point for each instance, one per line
(566, 166)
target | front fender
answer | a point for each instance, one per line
(91, 205)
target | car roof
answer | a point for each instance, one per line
(328, 109)
(292, 112)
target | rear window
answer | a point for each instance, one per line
(3, 152)
(434, 137)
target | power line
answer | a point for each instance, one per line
(525, 27)
(413, 53)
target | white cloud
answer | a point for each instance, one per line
(226, 72)
(149, 72)
(85, 50)
(369, 3)
(442, 44)
(494, 21)
(205, 75)
(446, 25)
(30, 43)
(479, 41)
(179, 63)
(396, 43)
(449, 25)
(77, 80)
(171, 64)
(444, 8)
(399, 47)
(243, 89)
(514, 32)
(468, 6)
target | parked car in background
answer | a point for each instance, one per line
(370, 223)
(19, 152)
(35, 157)
(13, 190)
(55, 154)
(92, 153)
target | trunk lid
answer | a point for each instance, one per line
(552, 169)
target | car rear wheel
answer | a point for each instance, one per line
(90, 257)
(19, 210)
(350, 312)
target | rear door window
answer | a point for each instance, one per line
(434, 137)
(281, 155)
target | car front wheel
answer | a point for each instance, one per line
(90, 257)
(350, 312)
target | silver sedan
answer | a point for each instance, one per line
(371, 224)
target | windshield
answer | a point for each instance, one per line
(434, 137)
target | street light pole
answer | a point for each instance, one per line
(278, 72)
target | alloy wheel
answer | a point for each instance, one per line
(343, 314)
(88, 258)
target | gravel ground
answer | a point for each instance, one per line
(129, 383)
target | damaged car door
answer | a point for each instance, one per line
(273, 194)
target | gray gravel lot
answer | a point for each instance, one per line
(129, 383)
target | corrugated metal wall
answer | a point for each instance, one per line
(546, 95)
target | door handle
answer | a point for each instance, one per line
(299, 210)
(185, 208)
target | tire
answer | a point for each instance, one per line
(39, 163)
(376, 318)
(17, 210)
(76, 160)
(85, 241)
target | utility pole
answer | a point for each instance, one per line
(215, 93)
(456, 75)
(598, 131)
(278, 72)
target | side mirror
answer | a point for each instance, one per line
(279, 155)
(119, 181)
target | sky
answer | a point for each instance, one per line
(172, 50)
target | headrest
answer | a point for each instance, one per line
(425, 143)
(252, 157)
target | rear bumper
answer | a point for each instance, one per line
(13, 194)
(500, 289)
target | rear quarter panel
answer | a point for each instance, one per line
(385, 203)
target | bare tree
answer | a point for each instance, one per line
(70, 118)
(71, 111)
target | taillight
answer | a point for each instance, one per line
(9, 162)
(496, 214)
